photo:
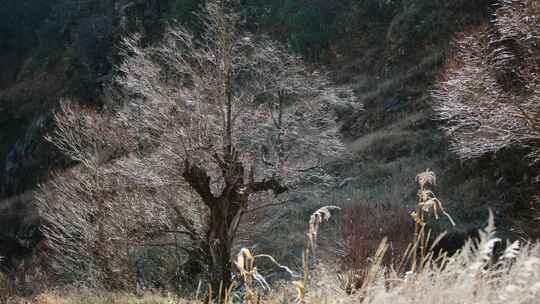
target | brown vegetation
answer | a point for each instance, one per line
(365, 225)
(488, 99)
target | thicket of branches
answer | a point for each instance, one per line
(208, 131)
(489, 96)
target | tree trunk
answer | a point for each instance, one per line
(219, 258)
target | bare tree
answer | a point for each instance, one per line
(489, 97)
(92, 215)
(221, 121)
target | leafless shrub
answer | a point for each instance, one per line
(93, 215)
(364, 227)
(488, 98)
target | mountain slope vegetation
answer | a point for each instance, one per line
(390, 60)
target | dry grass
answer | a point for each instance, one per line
(369, 143)
(93, 297)
(473, 275)
(394, 264)
(6, 288)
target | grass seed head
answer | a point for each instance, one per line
(511, 252)
(426, 178)
(300, 292)
(319, 216)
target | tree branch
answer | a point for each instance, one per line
(186, 223)
(199, 180)
(176, 232)
(166, 244)
(271, 184)
(266, 206)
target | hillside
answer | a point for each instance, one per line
(383, 57)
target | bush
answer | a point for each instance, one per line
(365, 225)
(488, 95)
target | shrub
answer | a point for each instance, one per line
(488, 95)
(365, 225)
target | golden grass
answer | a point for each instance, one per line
(101, 297)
